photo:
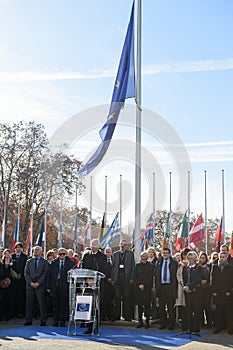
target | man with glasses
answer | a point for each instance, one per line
(59, 288)
(166, 288)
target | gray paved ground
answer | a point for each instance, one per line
(212, 342)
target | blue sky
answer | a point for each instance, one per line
(58, 58)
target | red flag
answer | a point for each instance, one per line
(29, 235)
(219, 238)
(231, 245)
(197, 233)
(15, 237)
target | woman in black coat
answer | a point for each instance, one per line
(192, 275)
(143, 280)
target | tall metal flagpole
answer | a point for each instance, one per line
(19, 205)
(75, 217)
(106, 198)
(206, 233)
(188, 208)
(60, 225)
(4, 218)
(170, 221)
(120, 213)
(91, 207)
(45, 220)
(138, 141)
(31, 221)
(153, 207)
(223, 207)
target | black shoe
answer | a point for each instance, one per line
(62, 324)
(147, 325)
(139, 325)
(28, 323)
(88, 331)
(43, 323)
(216, 331)
(55, 324)
(162, 327)
(170, 328)
(128, 319)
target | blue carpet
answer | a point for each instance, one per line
(108, 335)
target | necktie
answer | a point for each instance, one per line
(61, 269)
(109, 261)
(165, 272)
(36, 260)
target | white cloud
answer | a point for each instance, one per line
(174, 67)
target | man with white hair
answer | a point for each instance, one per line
(94, 260)
(35, 273)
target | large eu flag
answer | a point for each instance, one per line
(124, 87)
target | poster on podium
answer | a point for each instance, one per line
(83, 307)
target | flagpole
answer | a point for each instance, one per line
(153, 184)
(106, 198)
(4, 218)
(223, 206)
(90, 207)
(75, 217)
(206, 235)
(60, 225)
(31, 223)
(188, 208)
(138, 141)
(19, 203)
(170, 222)
(120, 213)
(45, 220)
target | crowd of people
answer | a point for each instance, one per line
(191, 290)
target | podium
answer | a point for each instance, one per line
(84, 299)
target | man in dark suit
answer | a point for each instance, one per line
(108, 298)
(122, 277)
(19, 261)
(35, 273)
(58, 286)
(95, 260)
(166, 288)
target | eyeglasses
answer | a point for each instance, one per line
(62, 253)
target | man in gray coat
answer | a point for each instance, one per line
(122, 277)
(35, 274)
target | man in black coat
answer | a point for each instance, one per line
(222, 287)
(58, 286)
(166, 288)
(122, 277)
(19, 260)
(97, 261)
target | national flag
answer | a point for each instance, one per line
(87, 235)
(150, 227)
(144, 241)
(197, 232)
(29, 236)
(15, 237)
(102, 228)
(183, 233)
(40, 237)
(124, 88)
(231, 245)
(219, 238)
(112, 233)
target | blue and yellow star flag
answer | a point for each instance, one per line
(124, 88)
